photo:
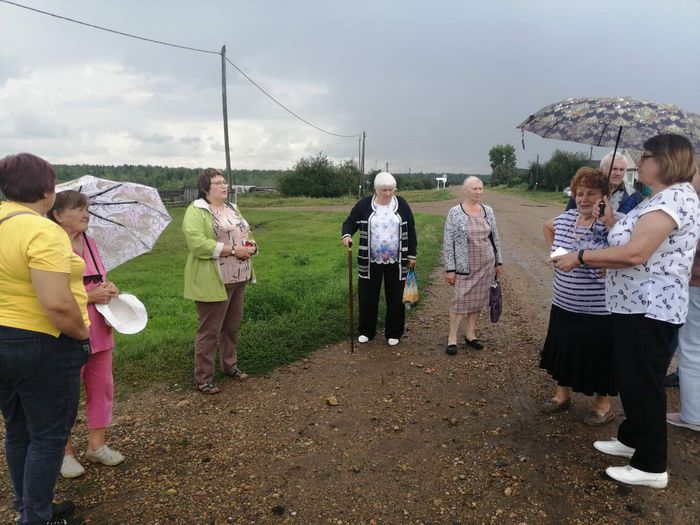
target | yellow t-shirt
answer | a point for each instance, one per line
(33, 242)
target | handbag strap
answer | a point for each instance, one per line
(14, 214)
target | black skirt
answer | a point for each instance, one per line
(578, 352)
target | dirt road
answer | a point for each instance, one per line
(416, 436)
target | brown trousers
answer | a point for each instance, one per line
(218, 326)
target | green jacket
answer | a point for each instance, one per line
(203, 280)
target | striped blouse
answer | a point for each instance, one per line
(581, 290)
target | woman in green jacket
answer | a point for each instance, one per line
(217, 270)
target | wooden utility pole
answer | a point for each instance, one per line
(225, 106)
(362, 169)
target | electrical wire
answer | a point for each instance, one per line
(285, 107)
(110, 30)
(129, 35)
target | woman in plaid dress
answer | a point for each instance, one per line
(472, 259)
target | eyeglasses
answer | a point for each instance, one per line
(642, 158)
(219, 183)
(87, 279)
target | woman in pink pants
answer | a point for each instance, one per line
(70, 211)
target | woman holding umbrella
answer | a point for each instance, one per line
(649, 261)
(70, 212)
(387, 251)
(217, 270)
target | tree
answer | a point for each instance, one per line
(319, 177)
(502, 160)
(559, 170)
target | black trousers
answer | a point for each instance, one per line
(368, 292)
(642, 349)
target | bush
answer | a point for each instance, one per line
(319, 177)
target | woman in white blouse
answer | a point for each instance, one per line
(649, 261)
(386, 252)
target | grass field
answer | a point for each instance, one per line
(260, 200)
(298, 305)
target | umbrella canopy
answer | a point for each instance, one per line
(126, 218)
(597, 121)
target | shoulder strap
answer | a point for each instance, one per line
(92, 255)
(15, 214)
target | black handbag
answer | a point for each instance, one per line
(495, 301)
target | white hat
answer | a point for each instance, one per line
(125, 313)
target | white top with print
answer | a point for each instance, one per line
(658, 288)
(384, 235)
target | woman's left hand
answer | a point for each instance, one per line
(103, 293)
(567, 262)
(411, 263)
(498, 271)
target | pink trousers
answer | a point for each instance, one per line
(99, 389)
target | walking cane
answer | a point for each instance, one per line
(350, 300)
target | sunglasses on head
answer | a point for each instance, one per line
(87, 279)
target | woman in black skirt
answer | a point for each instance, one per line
(577, 351)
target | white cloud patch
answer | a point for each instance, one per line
(106, 113)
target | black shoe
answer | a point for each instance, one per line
(451, 350)
(63, 510)
(672, 379)
(474, 343)
(66, 521)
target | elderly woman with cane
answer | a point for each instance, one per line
(649, 260)
(386, 252)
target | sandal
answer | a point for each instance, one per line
(208, 389)
(238, 374)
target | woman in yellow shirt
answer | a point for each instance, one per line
(43, 337)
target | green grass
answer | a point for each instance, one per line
(262, 200)
(298, 305)
(551, 197)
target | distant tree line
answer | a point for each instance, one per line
(161, 177)
(316, 176)
(554, 174)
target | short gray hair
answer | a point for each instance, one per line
(606, 161)
(384, 179)
(471, 178)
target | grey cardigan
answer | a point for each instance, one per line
(455, 252)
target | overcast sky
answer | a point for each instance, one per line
(434, 83)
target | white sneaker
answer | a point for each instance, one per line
(614, 448)
(392, 342)
(362, 339)
(633, 476)
(104, 455)
(70, 468)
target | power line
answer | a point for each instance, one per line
(179, 46)
(109, 30)
(286, 108)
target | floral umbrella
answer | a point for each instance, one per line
(614, 122)
(126, 218)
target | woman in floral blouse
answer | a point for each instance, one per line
(649, 260)
(387, 250)
(217, 270)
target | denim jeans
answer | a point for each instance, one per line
(39, 394)
(689, 360)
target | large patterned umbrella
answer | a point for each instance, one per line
(126, 218)
(613, 122)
